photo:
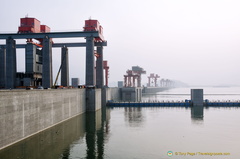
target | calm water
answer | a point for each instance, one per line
(210, 93)
(142, 133)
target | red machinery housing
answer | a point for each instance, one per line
(45, 29)
(32, 25)
(94, 25)
(29, 25)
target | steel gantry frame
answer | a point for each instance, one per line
(47, 81)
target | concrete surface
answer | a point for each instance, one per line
(93, 99)
(197, 97)
(27, 112)
(131, 94)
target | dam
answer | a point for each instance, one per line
(24, 113)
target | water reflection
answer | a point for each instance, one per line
(134, 116)
(60, 141)
(197, 114)
(51, 143)
(165, 129)
(97, 132)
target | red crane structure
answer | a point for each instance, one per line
(91, 26)
(153, 79)
(132, 76)
(106, 68)
(32, 25)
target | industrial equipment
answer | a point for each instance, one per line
(38, 54)
(152, 79)
(132, 75)
(29, 25)
(106, 68)
(94, 25)
(32, 25)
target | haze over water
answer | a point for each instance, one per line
(141, 133)
(210, 93)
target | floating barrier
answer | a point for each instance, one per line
(186, 103)
(223, 104)
(150, 104)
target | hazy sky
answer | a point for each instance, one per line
(194, 41)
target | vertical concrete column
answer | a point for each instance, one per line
(30, 58)
(2, 67)
(65, 67)
(134, 78)
(139, 81)
(99, 68)
(197, 97)
(93, 99)
(90, 70)
(11, 63)
(125, 81)
(47, 80)
(140, 94)
(129, 81)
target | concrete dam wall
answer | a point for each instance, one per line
(26, 112)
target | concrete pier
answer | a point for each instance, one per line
(65, 67)
(197, 97)
(93, 99)
(11, 63)
(132, 94)
(47, 80)
(2, 67)
(99, 68)
(90, 70)
(30, 55)
(197, 103)
(110, 94)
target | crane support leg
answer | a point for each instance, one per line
(11, 63)
(65, 68)
(99, 68)
(90, 70)
(47, 79)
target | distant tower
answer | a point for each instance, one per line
(132, 75)
(153, 79)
